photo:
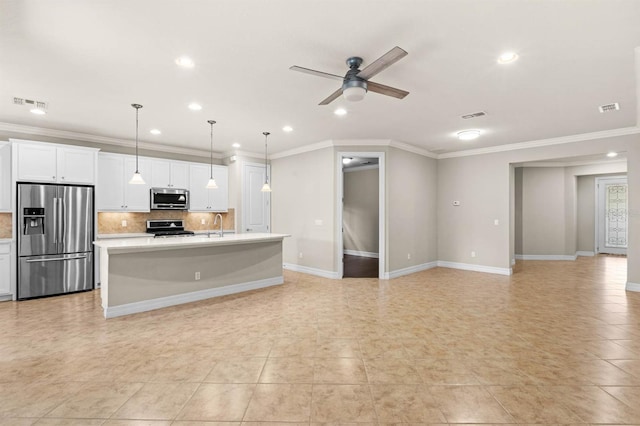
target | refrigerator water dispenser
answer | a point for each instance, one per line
(33, 221)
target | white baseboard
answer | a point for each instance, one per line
(163, 302)
(585, 253)
(410, 270)
(632, 287)
(311, 271)
(476, 268)
(546, 257)
(362, 253)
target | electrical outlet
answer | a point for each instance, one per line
(408, 256)
(124, 223)
(202, 221)
(197, 276)
(456, 203)
(300, 255)
(473, 254)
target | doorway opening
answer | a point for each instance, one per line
(612, 215)
(360, 224)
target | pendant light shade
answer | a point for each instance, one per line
(265, 187)
(136, 179)
(212, 181)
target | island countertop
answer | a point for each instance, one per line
(125, 245)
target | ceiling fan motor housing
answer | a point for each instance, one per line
(353, 87)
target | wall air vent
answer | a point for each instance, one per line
(474, 115)
(609, 107)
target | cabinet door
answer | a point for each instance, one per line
(36, 163)
(219, 198)
(110, 186)
(136, 197)
(160, 174)
(5, 274)
(76, 166)
(179, 175)
(198, 178)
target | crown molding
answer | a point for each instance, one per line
(354, 142)
(573, 163)
(85, 137)
(244, 154)
(625, 131)
(302, 149)
(414, 149)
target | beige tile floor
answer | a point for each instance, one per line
(556, 343)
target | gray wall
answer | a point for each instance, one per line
(586, 213)
(360, 216)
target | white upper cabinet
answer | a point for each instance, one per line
(169, 174)
(113, 192)
(208, 200)
(5, 176)
(44, 162)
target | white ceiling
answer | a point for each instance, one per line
(90, 59)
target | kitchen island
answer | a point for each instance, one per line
(142, 274)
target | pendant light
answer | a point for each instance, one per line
(136, 179)
(212, 182)
(265, 187)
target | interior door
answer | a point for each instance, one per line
(612, 215)
(256, 212)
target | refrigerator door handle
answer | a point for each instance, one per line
(55, 220)
(55, 259)
(61, 229)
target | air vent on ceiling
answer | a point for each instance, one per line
(609, 107)
(474, 115)
(30, 103)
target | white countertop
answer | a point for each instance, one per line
(123, 245)
(125, 235)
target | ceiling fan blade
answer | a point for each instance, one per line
(386, 90)
(318, 73)
(384, 61)
(332, 97)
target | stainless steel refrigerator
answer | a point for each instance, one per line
(55, 239)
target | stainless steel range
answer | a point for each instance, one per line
(167, 228)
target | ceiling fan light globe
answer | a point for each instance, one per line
(354, 93)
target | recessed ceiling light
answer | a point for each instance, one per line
(467, 135)
(346, 160)
(185, 62)
(155, 132)
(340, 111)
(38, 111)
(612, 154)
(287, 129)
(236, 145)
(507, 57)
(195, 107)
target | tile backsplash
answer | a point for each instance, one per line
(6, 225)
(111, 222)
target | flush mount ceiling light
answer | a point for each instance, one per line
(195, 107)
(155, 132)
(508, 57)
(346, 160)
(136, 179)
(340, 112)
(467, 135)
(287, 129)
(185, 62)
(265, 187)
(612, 154)
(212, 182)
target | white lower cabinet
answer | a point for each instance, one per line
(114, 192)
(208, 200)
(5, 269)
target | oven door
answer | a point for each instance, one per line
(169, 199)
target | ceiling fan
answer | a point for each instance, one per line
(356, 83)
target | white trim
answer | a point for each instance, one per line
(354, 142)
(311, 271)
(360, 168)
(572, 163)
(229, 154)
(339, 205)
(476, 268)
(362, 253)
(625, 131)
(585, 253)
(178, 299)
(632, 287)
(85, 137)
(301, 150)
(410, 148)
(546, 256)
(410, 270)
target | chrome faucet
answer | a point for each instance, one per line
(215, 222)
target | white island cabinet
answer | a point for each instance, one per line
(208, 200)
(141, 274)
(169, 174)
(5, 269)
(114, 193)
(46, 162)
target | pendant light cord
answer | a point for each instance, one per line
(266, 175)
(137, 107)
(212, 122)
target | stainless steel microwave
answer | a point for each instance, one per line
(169, 199)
